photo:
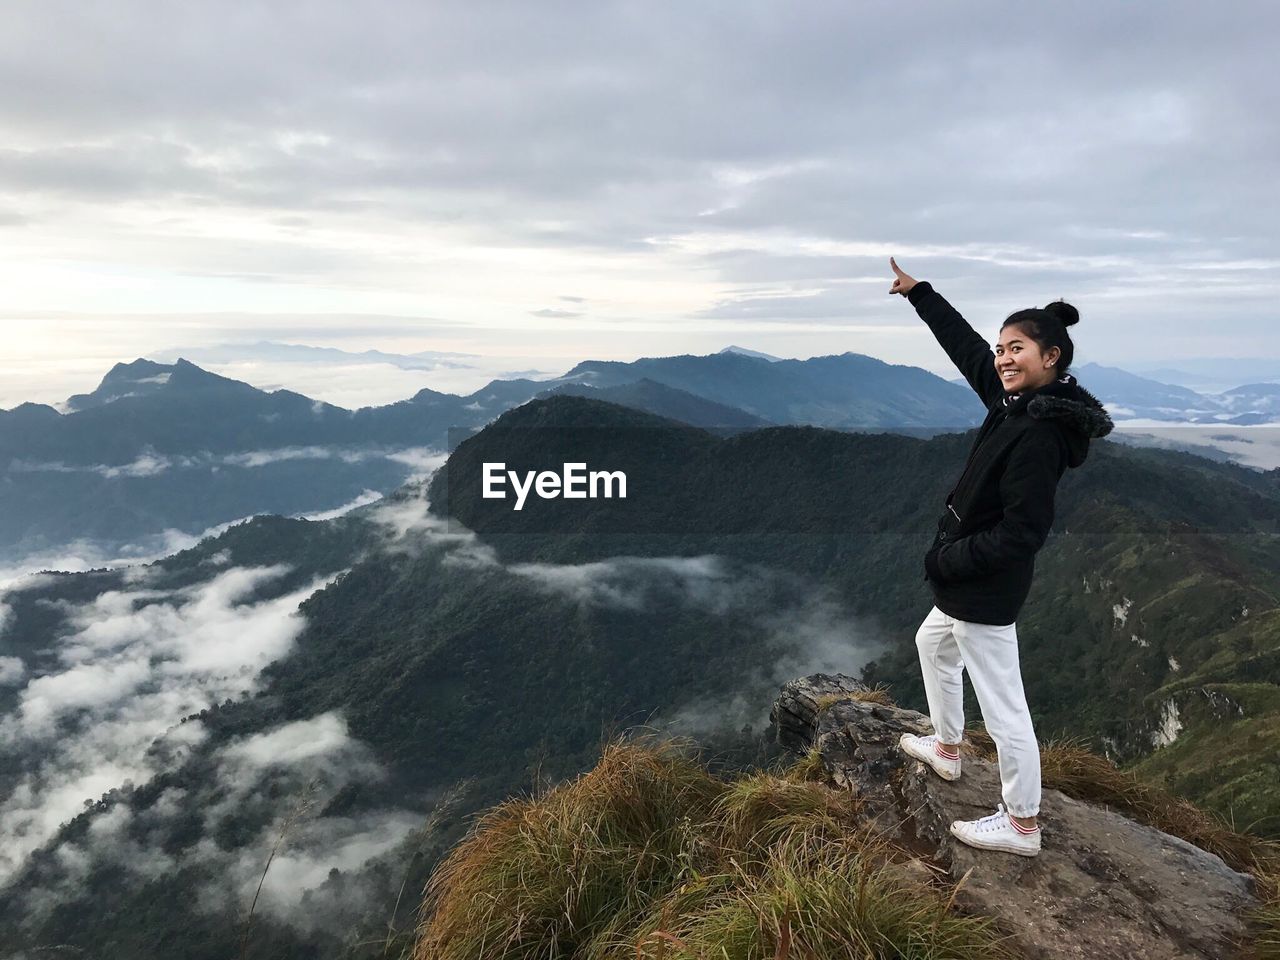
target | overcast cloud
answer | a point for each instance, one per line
(660, 179)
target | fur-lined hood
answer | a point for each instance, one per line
(1075, 409)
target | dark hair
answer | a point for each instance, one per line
(1047, 326)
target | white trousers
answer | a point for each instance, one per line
(947, 648)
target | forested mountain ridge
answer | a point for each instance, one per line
(1156, 588)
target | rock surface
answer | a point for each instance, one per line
(1102, 886)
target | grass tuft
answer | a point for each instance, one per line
(538, 877)
(978, 743)
(877, 694)
(808, 768)
(810, 897)
(760, 811)
(1267, 917)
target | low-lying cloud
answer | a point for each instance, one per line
(806, 626)
(304, 741)
(280, 777)
(23, 572)
(131, 665)
(150, 463)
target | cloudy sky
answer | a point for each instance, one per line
(539, 183)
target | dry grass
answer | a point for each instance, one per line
(650, 856)
(807, 768)
(301, 808)
(762, 810)
(877, 694)
(1267, 917)
(978, 743)
(535, 877)
(811, 898)
(1071, 767)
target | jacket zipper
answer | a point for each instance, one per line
(973, 455)
(969, 463)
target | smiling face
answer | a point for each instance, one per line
(1019, 362)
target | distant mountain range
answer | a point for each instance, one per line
(173, 447)
(1212, 374)
(1203, 375)
(1129, 397)
(1132, 396)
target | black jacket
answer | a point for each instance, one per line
(1001, 509)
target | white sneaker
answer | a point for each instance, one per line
(926, 749)
(997, 832)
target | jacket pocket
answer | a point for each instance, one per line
(949, 524)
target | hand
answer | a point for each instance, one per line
(903, 283)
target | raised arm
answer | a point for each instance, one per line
(964, 345)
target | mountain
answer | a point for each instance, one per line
(177, 450)
(135, 379)
(175, 447)
(1140, 397)
(656, 398)
(1130, 396)
(1158, 570)
(1134, 871)
(183, 410)
(1192, 381)
(456, 652)
(1134, 396)
(750, 353)
(848, 391)
(1253, 399)
(1212, 374)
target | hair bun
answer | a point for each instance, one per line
(1063, 311)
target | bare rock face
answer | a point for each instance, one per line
(1102, 886)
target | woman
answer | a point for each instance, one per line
(1039, 422)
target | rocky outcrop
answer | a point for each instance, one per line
(1103, 884)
